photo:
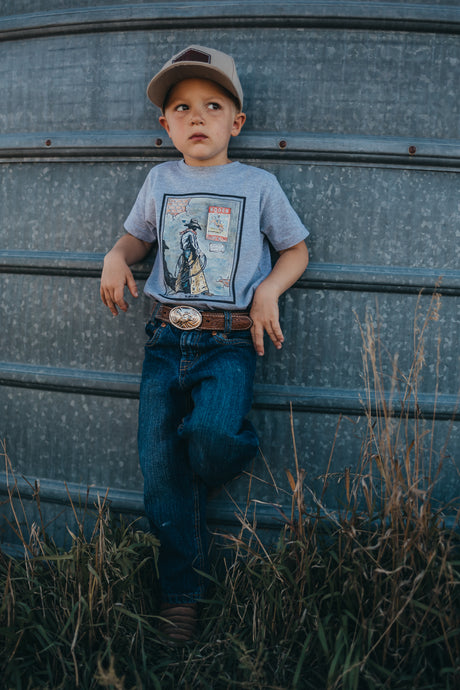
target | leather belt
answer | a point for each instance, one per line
(188, 318)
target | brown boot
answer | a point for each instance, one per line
(178, 621)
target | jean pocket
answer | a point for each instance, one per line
(153, 329)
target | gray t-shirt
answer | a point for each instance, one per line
(213, 226)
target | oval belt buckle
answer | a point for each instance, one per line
(185, 318)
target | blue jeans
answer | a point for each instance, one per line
(196, 390)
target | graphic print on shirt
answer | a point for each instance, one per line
(200, 243)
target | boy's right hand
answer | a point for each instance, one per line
(116, 274)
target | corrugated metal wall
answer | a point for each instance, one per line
(353, 105)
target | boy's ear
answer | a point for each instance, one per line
(164, 123)
(238, 122)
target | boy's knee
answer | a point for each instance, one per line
(206, 446)
(216, 455)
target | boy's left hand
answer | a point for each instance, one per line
(264, 311)
(265, 316)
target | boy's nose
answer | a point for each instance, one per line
(197, 116)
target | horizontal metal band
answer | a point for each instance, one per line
(384, 16)
(365, 278)
(123, 501)
(369, 278)
(51, 263)
(266, 396)
(67, 380)
(65, 493)
(131, 503)
(299, 146)
(353, 402)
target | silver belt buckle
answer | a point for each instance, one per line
(185, 318)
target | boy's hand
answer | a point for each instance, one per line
(115, 275)
(264, 311)
(265, 315)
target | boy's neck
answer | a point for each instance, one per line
(207, 167)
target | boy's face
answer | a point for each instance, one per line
(200, 118)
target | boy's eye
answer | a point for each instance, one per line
(180, 108)
(213, 106)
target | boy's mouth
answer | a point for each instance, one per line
(198, 137)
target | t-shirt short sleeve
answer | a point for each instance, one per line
(141, 221)
(278, 220)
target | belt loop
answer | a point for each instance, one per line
(155, 309)
(228, 322)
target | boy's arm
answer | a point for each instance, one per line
(291, 264)
(116, 272)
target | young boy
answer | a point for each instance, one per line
(215, 295)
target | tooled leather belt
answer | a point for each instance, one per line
(188, 318)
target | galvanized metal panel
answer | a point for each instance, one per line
(353, 105)
(71, 207)
(408, 218)
(58, 321)
(62, 332)
(375, 83)
(89, 440)
(323, 333)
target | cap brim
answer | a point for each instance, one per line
(159, 86)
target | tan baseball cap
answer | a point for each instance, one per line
(196, 62)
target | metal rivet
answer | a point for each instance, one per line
(412, 150)
(282, 144)
(158, 142)
(48, 142)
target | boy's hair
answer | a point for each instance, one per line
(196, 62)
